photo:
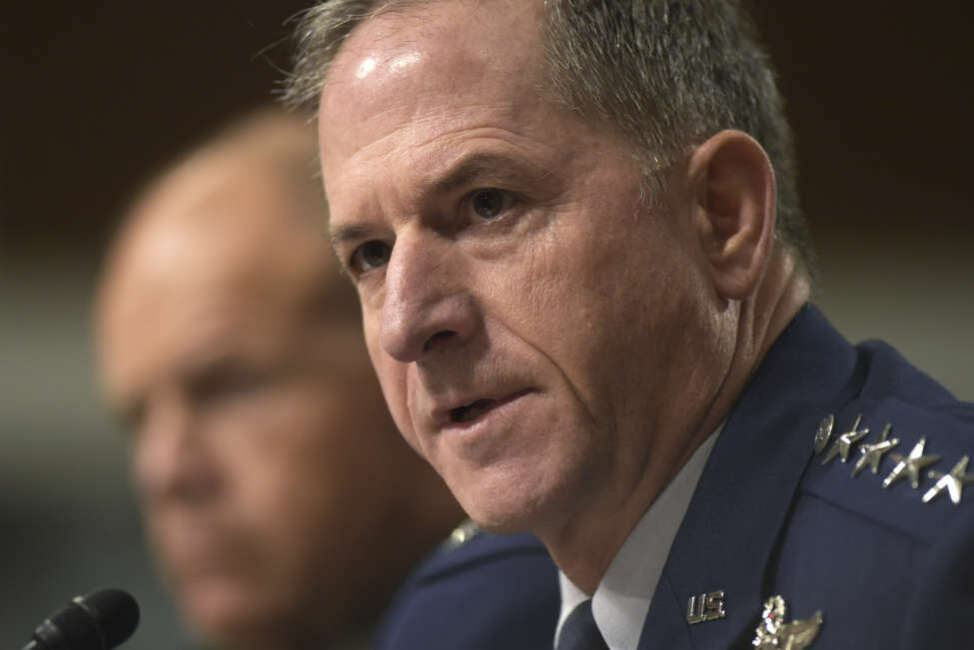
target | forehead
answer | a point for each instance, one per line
(208, 274)
(453, 43)
(422, 66)
(235, 230)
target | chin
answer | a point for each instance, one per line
(510, 502)
(226, 612)
(501, 523)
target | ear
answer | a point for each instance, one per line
(733, 189)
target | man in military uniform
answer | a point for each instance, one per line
(575, 235)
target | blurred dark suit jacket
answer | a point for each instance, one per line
(493, 592)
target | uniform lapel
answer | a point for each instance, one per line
(743, 497)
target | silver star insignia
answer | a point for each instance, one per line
(953, 482)
(844, 443)
(873, 453)
(910, 465)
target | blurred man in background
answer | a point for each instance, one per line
(282, 504)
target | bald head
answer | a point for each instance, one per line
(243, 210)
(270, 474)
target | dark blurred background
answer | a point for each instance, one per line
(97, 95)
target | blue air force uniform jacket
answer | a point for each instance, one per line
(872, 529)
(490, 592)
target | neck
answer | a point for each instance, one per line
(584, 548)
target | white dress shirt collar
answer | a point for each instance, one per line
(621, 601)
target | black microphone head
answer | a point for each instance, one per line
(115, 610)
(98, 621)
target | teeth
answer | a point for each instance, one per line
(471, 412)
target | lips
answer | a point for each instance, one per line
(472, 411)
(476, 409)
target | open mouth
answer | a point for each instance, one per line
(472, 411)
(478, 408)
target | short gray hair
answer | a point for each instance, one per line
(664, 74)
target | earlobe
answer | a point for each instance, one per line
(733, 186)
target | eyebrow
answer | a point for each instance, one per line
(461, 173)
(478, 165)
(344, 234)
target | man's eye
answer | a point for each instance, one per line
(370, 255)
(130, 418)
(225, 382)
(490, 203)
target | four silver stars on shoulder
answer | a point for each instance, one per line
(774, 632)
(910, 466)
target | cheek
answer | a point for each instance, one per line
(393, 381)
(331, 489)
(567, 310)
(289, 484)
(594, 296)
(139, 467)
(274, 443)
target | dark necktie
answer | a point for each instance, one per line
(579, 631)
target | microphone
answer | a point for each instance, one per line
(98, 621)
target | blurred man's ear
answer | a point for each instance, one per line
(733, 188)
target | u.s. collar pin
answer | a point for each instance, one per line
(706, 607)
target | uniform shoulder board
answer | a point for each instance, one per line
(907, 466)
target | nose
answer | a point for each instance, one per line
(426, 307)
(170, 458)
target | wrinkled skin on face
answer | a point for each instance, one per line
(544, 334)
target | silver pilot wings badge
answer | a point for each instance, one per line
(773, 633)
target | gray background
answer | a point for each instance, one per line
(96, 95)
